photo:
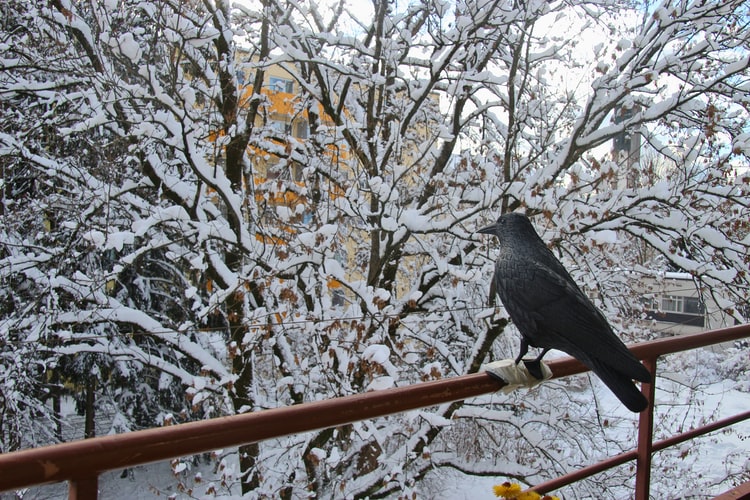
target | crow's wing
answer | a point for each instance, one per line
(552, 312)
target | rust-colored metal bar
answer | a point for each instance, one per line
(584, 472)
(741, 492)
(611, 462)
(700, 431)
(82, 460)
(670, 345)
(645, 435)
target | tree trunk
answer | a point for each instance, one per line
(89, 429)
(242, 395)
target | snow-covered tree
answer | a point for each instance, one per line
(151, 223)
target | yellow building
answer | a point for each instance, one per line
(278, 182)
(278, 185)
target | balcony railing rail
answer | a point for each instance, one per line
(81, 462)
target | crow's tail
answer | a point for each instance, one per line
(622, 386)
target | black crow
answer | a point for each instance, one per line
(551, 312)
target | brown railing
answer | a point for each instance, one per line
(81, 462)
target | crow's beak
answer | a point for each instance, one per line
(488, 229)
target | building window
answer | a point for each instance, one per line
(283, 169)
(281, 84)
(676, 309)
(691, 305)
(302, 130)
(280, 126)
(671, 303)
(679, 304)
(296, 171)
(338, 299)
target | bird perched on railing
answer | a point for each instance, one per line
(552, 312)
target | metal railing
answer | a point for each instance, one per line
(81, 462)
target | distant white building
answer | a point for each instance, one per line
(673, 305)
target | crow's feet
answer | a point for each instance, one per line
(517, 375)
(534, 367)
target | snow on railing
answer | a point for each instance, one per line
(81, 462)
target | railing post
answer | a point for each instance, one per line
(645, 435)
(83, 489)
